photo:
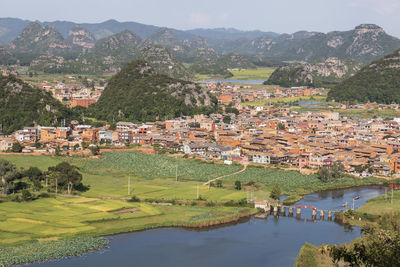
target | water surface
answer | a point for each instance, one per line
(274, 241)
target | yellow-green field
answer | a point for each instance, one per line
(91, 213)
(252, 74)
(50, 219)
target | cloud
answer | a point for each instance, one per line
(198, 19)
(381, 7)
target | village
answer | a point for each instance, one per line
(264, 135)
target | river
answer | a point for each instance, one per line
(274, 241)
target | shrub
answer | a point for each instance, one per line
(26, 195)
(134, 199)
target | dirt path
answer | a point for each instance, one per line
(213, 180)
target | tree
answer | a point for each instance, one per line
(66, 175)
(8, 173)
(281, 126)
(26, 195)
(227, 119)
(35, 176)
(16, 148)
(238, 185)
(276, 191)
(326, 174)
(379, 246)
(95, 150)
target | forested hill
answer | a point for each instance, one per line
(22, 105)
(139, 93)
(376, 82)
(322, 73)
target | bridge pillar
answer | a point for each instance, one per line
(298, 211)
(329, 215)
(314, 213)
(283, 210)
(275, 211)
(290, 211)
(321, 214)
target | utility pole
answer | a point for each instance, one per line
(391, 203)
(176, 173)
(197, 191)
(129, 185)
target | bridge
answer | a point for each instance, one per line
(281, 210)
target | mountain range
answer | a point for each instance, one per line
(63, 46)
(366, 42)
(378, 82)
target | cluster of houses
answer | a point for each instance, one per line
(236, 94)
(259, 135)
(274, 136)
(74, 94)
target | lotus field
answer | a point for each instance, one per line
(157, 166)
(291, 181)
(45, 251)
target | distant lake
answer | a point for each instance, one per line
(234, 81)
(274, 241)
(310, 104)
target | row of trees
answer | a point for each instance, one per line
(62, 177)
(379, 246)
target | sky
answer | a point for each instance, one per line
(281, 16)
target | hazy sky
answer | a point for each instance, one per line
(277, 15)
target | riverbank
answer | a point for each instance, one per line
(43, 243)
(368, 214)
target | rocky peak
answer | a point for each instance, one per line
(81, 37)
(368, 27)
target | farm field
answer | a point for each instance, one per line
(108, 177)
(251, 74)
(54, 79)
(65, 217)
(293, 182)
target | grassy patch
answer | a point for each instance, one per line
(311, 256)
(381, 204)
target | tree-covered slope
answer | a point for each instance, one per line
(220, 65)
(6, 58)
(36, 40)
(322, 73)
(376, 82)
(162, 60)
(139, 93)
(22, 105)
